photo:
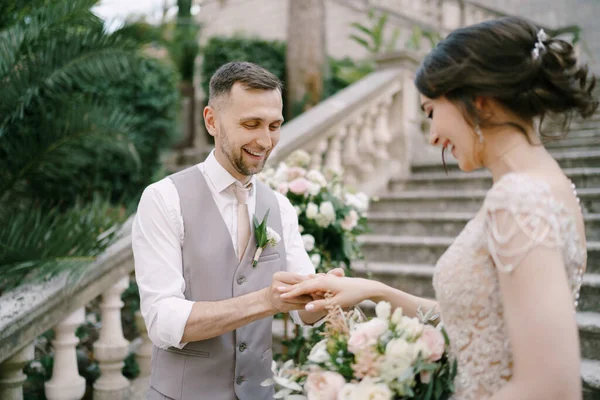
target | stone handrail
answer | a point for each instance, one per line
(359, 131)
(446, 15)
(58, 304)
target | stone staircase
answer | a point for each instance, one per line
(417, 218)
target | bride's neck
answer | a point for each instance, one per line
(510, 151)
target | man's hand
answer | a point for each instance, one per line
(280, 282)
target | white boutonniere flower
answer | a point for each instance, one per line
(264, 235)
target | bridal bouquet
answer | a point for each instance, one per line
(388, 357)
(330, 215)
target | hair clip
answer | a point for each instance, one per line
(539, 45)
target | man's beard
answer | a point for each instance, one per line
(237, 160)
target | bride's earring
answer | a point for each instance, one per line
(479, 133)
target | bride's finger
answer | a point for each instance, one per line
(306, 287)
(316, 306)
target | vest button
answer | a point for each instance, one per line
(241, 280)
(239, 380)
(243, 347)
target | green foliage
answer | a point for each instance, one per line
(344, 72)
(271, 55)
(418, 34)
(221, 50)
(372, 37)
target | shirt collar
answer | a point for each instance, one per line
(220, 177)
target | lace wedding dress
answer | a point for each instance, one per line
(466, 276)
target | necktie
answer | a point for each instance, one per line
(243, 230)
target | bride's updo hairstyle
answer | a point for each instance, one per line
(513, 62)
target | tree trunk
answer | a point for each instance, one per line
(306, 56)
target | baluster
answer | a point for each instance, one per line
(316, 160)
(333, 160)
(66, 383)
(12, 377)
(111, 348)
(383, 136)
(351, 158)
(143, 355)
(366, 146)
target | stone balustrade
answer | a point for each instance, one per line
(365, 130)
(59, 304)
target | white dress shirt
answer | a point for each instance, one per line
(157, 236)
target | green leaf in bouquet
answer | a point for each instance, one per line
(446, 338)
(429, 391)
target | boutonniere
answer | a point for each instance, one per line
(264, 236)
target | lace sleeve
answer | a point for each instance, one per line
(518, 219)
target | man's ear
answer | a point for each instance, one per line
(210, 120)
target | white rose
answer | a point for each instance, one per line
(318, 353)
(326, 214)
(347, 392)
(383, 310)
(314, 189)
(298, 210)
(299, 158)
(397, 316)
(300, 228)
(316, 259)
(398, 360)
(309, 242)
(369, 389)
(322, 220)
(400, 348)
(423, 348)
(312, 210)
(411, 328)
(280, 174)
(272, 236)
(327, 210)
(360, 201)
(315, 176)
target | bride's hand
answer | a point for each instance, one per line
(346, 292)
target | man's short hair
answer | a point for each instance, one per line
(252, 76)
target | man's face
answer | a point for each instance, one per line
(246, 126)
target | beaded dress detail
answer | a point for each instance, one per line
(517, 209)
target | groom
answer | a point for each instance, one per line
(208, 311)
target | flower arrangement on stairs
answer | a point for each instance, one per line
(331, 217)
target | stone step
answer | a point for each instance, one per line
(581, 141)
(482, 179)
(458, 201)
(589, 296)
(566, 158)
(590, 376)
(428, 249)
(589, 334)
(443, 223)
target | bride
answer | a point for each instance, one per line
(507, 288)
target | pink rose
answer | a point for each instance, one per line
(324, 385)
(366, 334)
(295, 172)
(350, 221)
(434, 341)
(299, 186)
(283, 188)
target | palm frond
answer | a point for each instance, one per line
(42, 22)
(85, 58)
(67, 127)
(38, 243)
